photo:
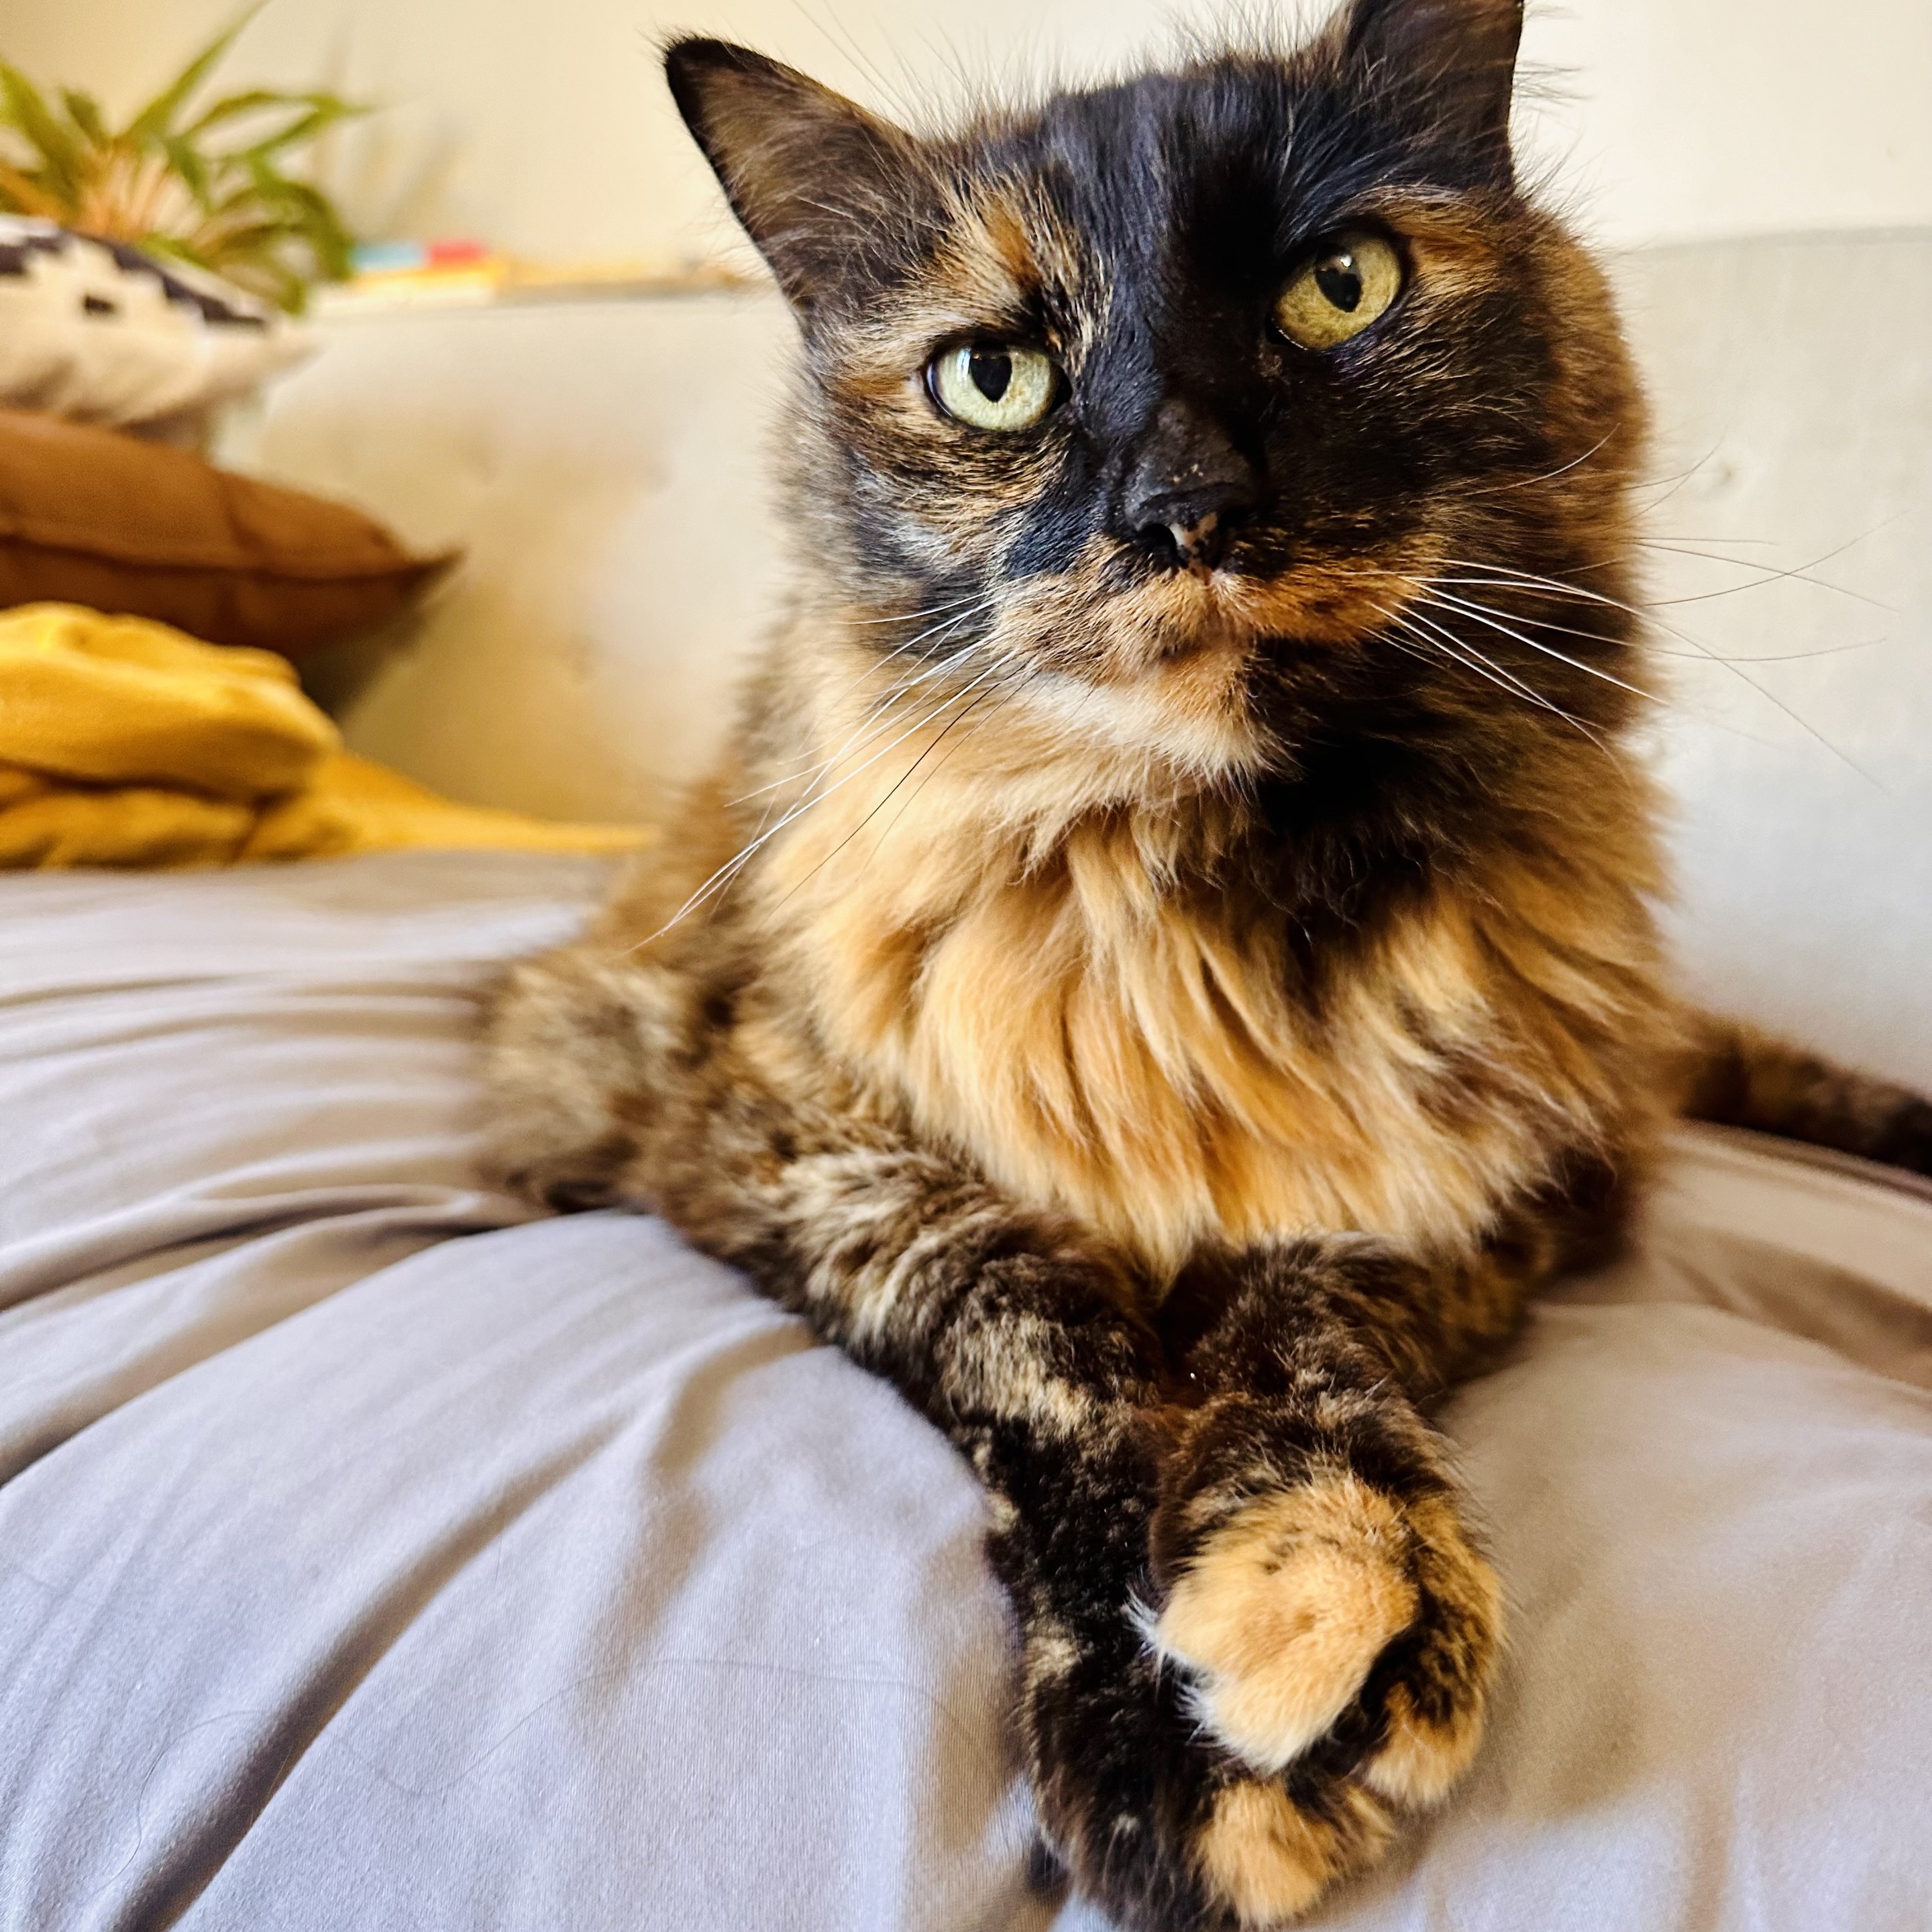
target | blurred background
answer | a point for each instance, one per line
(544, 129)
(576, 391)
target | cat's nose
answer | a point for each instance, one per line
(1188, 487)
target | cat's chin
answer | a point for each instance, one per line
(1220, 630)
(1185, 718)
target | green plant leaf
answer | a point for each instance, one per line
(250, 243)
(244, 219)
(306, 127)
(291, 290)
(230, 105)
(257, 99)
(158, 118)
(253, 259)
(58, 149)
(20, 194)
(84, 111)
(307, 212)
(236, 198)
(319, 227)
(189, 165)
(176, 250)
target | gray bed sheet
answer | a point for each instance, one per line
(373, 1554)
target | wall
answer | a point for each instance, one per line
(544, 128)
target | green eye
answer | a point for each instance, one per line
(994, 384)
(1349, 280)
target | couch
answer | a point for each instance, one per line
(375, 1553)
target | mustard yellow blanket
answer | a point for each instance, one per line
(123, 742)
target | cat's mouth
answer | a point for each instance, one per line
(1333, 601)
(1167, 662)
(1165, 665)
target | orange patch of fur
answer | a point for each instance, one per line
(1269, 1861)
(996, 945)
(1422, 1760)
(1285, 1610)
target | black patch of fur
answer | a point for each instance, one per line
(680, 1066)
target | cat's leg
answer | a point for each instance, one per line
(1023, 1346)
(1251, 1627)
(620, 1081)
(1333, 1627)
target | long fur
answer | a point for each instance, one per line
(1166, 1012)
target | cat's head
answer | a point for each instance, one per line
(1209, 414)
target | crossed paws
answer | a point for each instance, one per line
(1318, 1661)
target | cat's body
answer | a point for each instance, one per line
(1168, 964)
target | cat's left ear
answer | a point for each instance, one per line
(1453, 60)
(821, 186)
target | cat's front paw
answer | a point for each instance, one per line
(1245, 1655)
(1156, 1822)
(1312, 1605)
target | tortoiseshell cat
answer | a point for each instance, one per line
(1167, 962)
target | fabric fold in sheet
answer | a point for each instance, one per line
(373, 1554)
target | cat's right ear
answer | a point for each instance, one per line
(821, 187)
(1452, 61)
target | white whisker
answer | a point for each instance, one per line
(878, 709)
(1442, 600)
(1546, 476)
(730, 870)
(1463, 653)
(1517, 579)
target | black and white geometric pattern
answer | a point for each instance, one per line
(100, 332)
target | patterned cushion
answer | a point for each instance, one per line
(101, 332)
